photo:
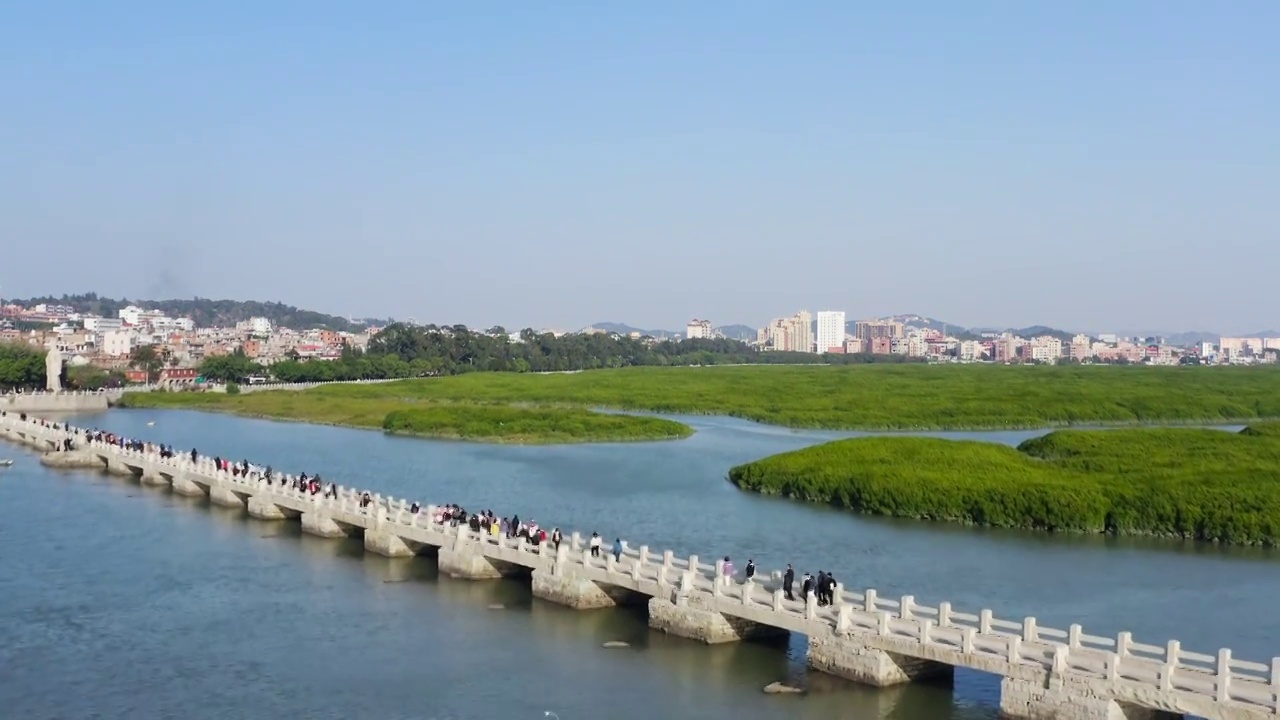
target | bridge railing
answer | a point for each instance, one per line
(1221, 677)
(60, 393)
(299, 386)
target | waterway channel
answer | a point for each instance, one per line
(122, 602)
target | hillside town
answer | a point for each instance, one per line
(109, 343)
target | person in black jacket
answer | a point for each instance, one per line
(788, 579)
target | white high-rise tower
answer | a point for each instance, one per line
(830, 331)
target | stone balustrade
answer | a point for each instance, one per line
(65, 401)
(261, 387)
(1046, 672)
(60, 393)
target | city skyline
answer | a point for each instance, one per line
(1079, 168)
(94, 336)
(681, 328)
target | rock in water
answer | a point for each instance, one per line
(497, 606)
(780, 688)
(616, 644)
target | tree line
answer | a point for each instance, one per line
(404, 351)
(22, 368)
(451, 350)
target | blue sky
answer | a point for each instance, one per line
(1085, 165)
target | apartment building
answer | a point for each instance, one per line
(117, 343)
(697, 329)
(830, 331)
(101, 324)
(793, 334)
(866, 330)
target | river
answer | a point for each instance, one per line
(123, 602)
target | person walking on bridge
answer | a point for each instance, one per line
(750, 570)
(194, 455)
(617, 549)
(788, 579)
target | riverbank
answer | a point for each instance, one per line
(870, 397)
(445, 421)
(1197, 484)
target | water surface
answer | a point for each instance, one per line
(123, 602)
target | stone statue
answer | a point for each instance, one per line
(53, 370)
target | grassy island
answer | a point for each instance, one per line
(1174, 482)
(529, 425)
(860, 397)
(882, 397)
(452, 421)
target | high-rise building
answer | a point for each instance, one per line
(801, 332)
(794, 334)
(698, 330)
(830, 331)
(867, 330)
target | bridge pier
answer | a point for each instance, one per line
(1039, 695)
(388, 544)
(183, 485)
(154, 478)
(581, 593)
(851, 656)
(219, 495)
(320, 524)
(76, 459)
(116, 467)
(264, 509)
(465, 564)
(687, 617)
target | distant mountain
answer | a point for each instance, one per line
(733, 332)
(1039, 330)
(1193, 337)
(625, 329)
(1025, 332)
(925, 323)
(1187, 338)
(205, 312)
(744, 333)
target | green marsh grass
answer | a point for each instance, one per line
(1200, 484)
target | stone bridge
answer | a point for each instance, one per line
(1046, 673)
(78, 401)
(74, 401)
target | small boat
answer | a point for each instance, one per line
(151, 424)
(5, 463)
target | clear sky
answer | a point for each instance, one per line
(1087, 165)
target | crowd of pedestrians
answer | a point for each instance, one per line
(822, 586)
(488, 522)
